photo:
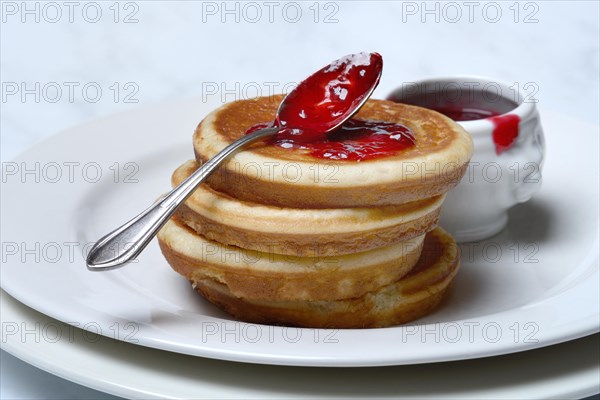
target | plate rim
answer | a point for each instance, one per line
(106, 381)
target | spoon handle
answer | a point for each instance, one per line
(126, 242)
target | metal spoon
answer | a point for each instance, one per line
(333, 98)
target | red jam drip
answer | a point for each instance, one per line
(355, 140)
(506, 130)
(324, 99)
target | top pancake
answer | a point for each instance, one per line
(291, 177)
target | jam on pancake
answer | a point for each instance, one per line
(355, 140)
(323, 100)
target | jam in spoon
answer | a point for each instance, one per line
(318, 105)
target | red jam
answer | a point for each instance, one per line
(355, 140)
(324, 99)
(309, 115)
(506, 127)
(471, 105)
(458, 113)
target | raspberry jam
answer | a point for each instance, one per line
(327, 97)
(506, 127)
(469, 104)
(458, 113)
(309, 115)
(355, 140)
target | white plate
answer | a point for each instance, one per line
(535, 284)
(137, 372)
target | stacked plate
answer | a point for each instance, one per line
(535, 284)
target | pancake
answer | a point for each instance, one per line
(411, 297)
(270, 174)
(302, 232)
(264, 275)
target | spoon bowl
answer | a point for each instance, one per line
(329, 97)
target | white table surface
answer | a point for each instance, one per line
(171, 51)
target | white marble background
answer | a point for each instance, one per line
(172, 50)
(183, 49)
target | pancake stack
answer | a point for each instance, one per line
(278, 236)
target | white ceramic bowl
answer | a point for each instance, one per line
(495, 181)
